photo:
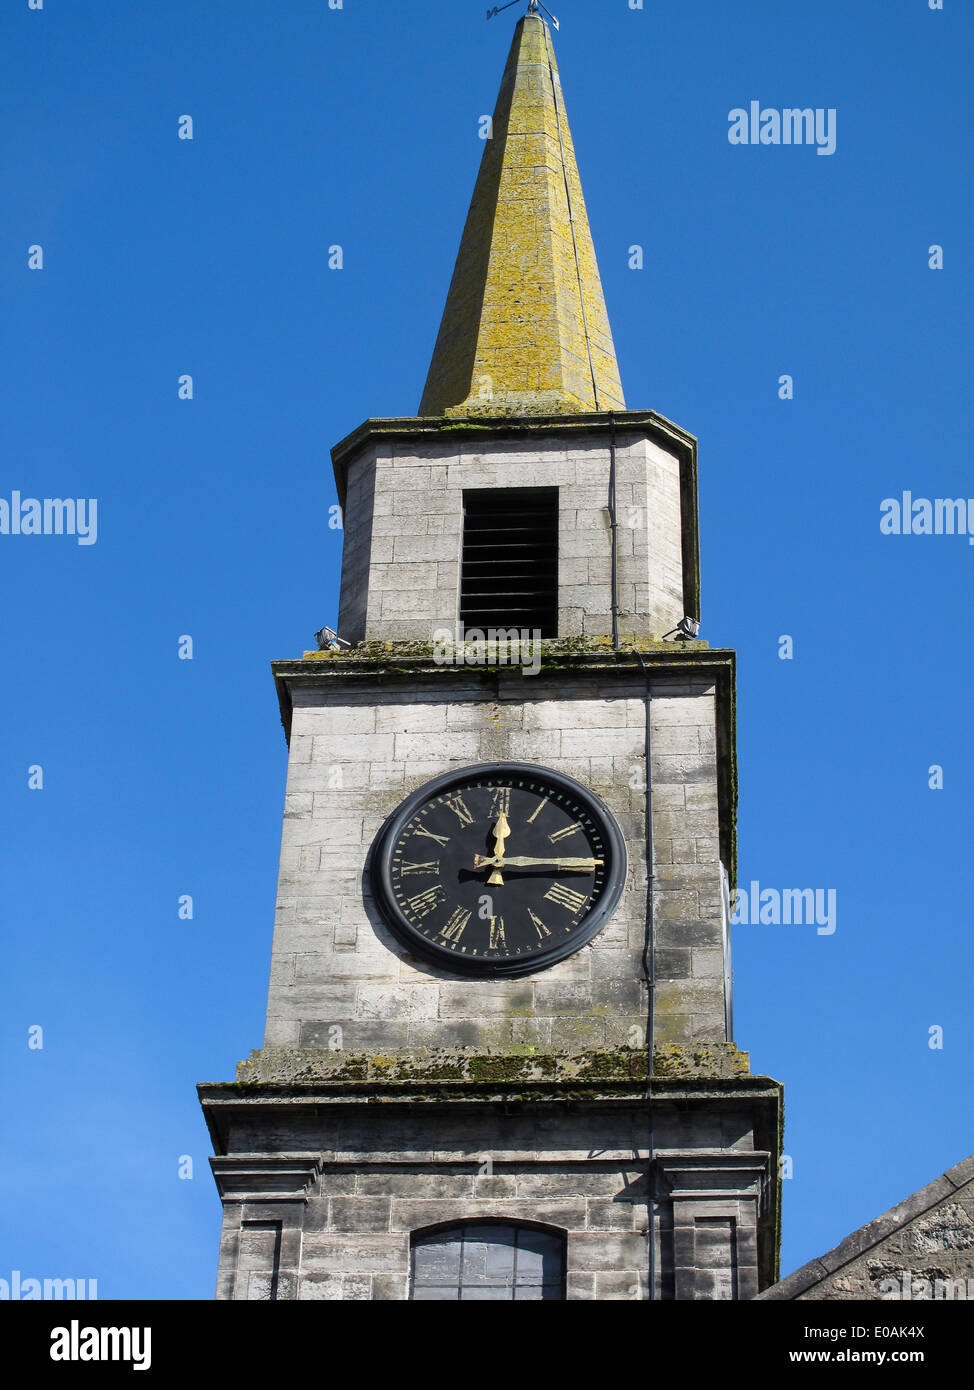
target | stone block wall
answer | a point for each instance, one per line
(357, 751)
(404, 518)
(692, 959)
(353, 1189)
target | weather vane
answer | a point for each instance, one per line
(533, 7)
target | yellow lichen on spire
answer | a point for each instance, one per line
(525, 329)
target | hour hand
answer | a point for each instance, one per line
(501, 831)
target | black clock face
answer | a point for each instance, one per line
(499, 869)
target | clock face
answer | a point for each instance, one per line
(499, 869)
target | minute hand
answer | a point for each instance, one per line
(523, 861)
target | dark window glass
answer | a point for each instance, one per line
(486, 1263)
(509, 576)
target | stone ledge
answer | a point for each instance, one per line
(554, 651)
(425, 1068)
(585, 657)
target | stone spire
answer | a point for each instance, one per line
(525, 329)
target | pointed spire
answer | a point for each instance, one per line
(525, 329)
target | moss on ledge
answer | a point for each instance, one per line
(554, 650)
(450, 1066)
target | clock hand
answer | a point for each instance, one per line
(501, 831)
(481, 861)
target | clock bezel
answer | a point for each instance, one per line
(380, 873)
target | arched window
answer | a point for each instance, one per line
(486, 1261)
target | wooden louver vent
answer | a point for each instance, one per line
(509, 576)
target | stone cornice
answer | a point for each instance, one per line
(258, 1178)
(421, 429)
(698, 1172)
(226, 1102)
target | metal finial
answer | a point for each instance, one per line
(533, 7)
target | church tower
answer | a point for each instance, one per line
(499, 1059)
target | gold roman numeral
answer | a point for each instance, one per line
(455, 926)
(497, 941)
(428, 835)
(457, 806)
(539, 926)
(566, 897)
(540, 807)
(424, 903)
(433, 867)
(501, 804)
(564, 834)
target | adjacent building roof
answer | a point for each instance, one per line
(929, 1236)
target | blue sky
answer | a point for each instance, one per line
(165, 777)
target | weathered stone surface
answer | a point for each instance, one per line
(413, 595)
(423, 1069)
(383, 1171)
(350, 984)
(525, 326)
(389, 1096)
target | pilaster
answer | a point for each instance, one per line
(717, 1199)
